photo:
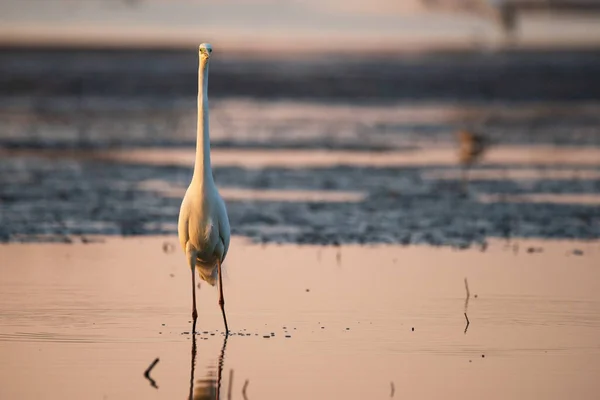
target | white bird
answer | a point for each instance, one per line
(203, 222)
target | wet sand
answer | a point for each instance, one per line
(305, 151)
(307, 196)
(86, 320)
(540, 156)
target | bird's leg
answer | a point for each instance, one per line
(221, 298)
(465, 179)
(191, 254)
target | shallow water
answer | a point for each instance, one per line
(86, 320)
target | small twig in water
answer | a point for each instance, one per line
(230, 384)
(393, 389)
(244, 389)
(147, 373)
(467, 304)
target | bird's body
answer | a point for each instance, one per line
(472, 147)
(204, 226)
(203, 222)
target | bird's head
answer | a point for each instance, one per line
(465, 136)
(205, 50)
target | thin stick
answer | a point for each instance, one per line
(230, 384)
(467, 304)
(244, 389)
(393, 389)
(148, 370)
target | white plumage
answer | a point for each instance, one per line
(203, 222)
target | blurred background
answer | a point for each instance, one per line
(331, 121)
(291, 25)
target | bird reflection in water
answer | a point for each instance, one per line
(208, 388)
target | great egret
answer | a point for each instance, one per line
(203, 222)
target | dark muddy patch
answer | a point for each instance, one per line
(43, 198)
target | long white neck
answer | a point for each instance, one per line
(202, 168)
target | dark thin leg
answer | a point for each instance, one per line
(192, 260)
(221, 298)
(194, 311)
(465, 179)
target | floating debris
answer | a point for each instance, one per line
(467, 305)
(168, 247)
(244, 389)
(148, 370)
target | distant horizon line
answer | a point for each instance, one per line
(231, 47)
(282, 41)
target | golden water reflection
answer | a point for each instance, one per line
(85, 321)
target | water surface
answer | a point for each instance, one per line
(86, 320)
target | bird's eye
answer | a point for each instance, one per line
(209, 50)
